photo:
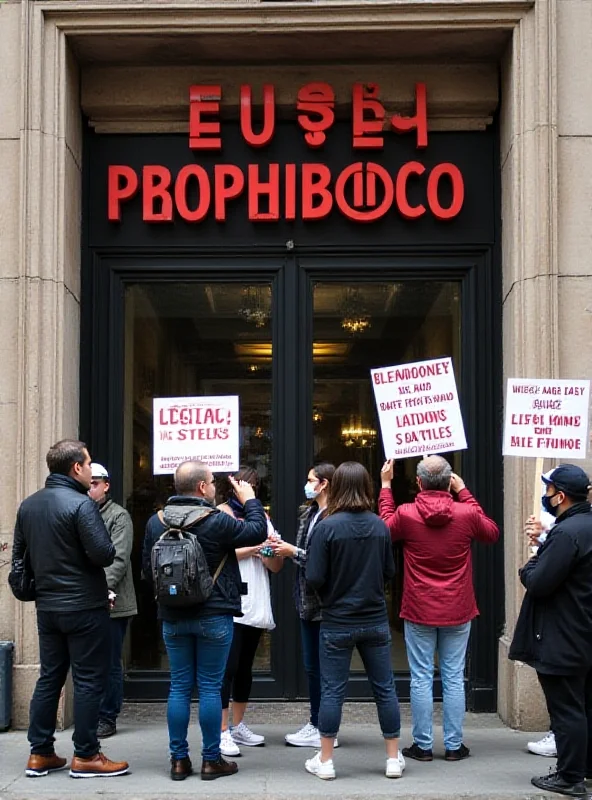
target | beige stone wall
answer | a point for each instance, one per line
(10, 95)
(574, 62)
(547, 273)
(40, 210)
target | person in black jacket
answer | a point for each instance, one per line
(349, 562)
(67, 544)
(554, 628)
(198, 638)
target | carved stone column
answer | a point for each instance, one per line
(530, 310)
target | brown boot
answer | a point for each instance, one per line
(220, 768)
(38, 766)
(181, 768)
(97, 766)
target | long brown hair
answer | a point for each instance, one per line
(351, 489)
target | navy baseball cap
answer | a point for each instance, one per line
(569, 479)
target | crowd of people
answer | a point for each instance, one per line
(209, 567)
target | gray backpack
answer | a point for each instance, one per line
(180, 572)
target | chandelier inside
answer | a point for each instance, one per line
(255, 305)
(356, 435)
(354, 319)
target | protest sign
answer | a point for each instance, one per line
(195, 429)
(418, 408)
(546, 418)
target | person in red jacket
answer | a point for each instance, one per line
(438, 603)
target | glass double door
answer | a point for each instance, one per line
(295, 341)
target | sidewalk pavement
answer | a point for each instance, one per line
(499, 767)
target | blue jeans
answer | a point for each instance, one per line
(310, 633)
(451, 643)
(374, 647)
(113, 697)
(197, 650)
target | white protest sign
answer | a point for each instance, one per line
(195, 429)
(546, 418)
(418, 408)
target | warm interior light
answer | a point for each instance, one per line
(263, 350)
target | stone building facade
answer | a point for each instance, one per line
(124, 68)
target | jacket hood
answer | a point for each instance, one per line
(435, 507)
(185, 511)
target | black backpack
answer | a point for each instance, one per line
(180, 572)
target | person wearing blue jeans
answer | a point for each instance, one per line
(374, 646)
(198, 637)
(310, 634)
(437, 532)
(349, 562)
(450, 642)
(198, 650)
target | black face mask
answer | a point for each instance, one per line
(546, 500)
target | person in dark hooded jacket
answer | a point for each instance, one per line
(437, 532)
(198, 638)
(554, 628)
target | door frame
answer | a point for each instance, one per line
(293, 272)
(481, 402)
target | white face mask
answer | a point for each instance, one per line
(310, 491)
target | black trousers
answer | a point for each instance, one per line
(569, 703)
(81, 640)
(238, 677)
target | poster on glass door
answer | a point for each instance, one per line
(418, 408)
(195, 429)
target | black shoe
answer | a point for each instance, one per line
(457, 755)
(555, 783)
(220, 768)
(106, 729)
(181, 768)
(417, 753)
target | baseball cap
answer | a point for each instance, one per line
(569, 479)
(99, 471)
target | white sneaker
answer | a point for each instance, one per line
(244, 735)
(544, 747)
(307, 736)
(322, 769)
(395, 766)
(228, 746)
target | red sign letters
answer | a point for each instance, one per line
(364, 191)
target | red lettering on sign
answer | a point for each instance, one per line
(364, 102)
(419, 121)
(458, 191)
(156, 183)
(271, 189)
(204, 100)
(315, 180)
(117, 191)
(371, 172)
(224, 191)
(290, 192)
(203, 192)
(316, 100)
(405, 209)
(246, 116)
